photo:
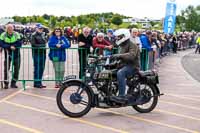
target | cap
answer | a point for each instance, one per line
(110, 31)
(39, 26)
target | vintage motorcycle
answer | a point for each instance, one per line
(76, 97)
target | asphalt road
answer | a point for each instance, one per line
(191, 64)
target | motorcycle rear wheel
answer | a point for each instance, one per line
(153, 100)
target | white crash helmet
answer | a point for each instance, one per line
(124, 34)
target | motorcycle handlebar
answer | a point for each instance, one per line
(104, 58)
(92, 56)
(99, 57)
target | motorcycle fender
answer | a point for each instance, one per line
(156, 88)
(69, 77)
(152, 79)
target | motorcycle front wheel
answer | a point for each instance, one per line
(74, 99)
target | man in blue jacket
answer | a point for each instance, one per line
(10, 41)
(145, 40)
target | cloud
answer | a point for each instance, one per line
(134, 8)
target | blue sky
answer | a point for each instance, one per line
(134, 8)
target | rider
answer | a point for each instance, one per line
(129, 57)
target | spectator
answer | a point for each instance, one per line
(57, 44)
(145, 40)
(174, 43)
(163, 41)
(101, 43)
(38, 42)
(168, 45)
(135, 39)
(146, 43)
(68, 34)
(110, 38)
(76, 34)
(156, 48)
(184, 41)
(191, 39)
(95, 31)
(27, 35)
(198, 44)
(84, 44)
(10, 41)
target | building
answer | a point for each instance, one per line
(4, 21)
(145, 22)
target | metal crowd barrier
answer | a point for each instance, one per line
(72, 64)
(144, 60)
(1, 68)
(26, 73)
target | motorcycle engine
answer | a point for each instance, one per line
(103, 86)
(106, 88)
(105, 75)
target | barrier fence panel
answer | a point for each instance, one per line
(144, 60)
(36, 66)
(4, 67)
(1, 67)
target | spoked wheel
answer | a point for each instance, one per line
(147, 93)
(74, 99)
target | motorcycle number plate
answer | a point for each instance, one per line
(70, 77)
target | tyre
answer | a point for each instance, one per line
(74, 99)
(150, 90)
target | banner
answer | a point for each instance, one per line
(170, 17)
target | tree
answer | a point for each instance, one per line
(74, 20)
(40, 20)
(80, 20)
(52, 21)
(190, 18)
(45, 16)
(61, 18)
(152, 23)
(117, 20)
(94, 20)
(24, 21)
(133, 26)
(17, 18)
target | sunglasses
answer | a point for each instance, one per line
(57, 31)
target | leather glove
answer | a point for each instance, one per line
(116, 56)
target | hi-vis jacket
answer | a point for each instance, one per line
(198, 40)
(6, 41)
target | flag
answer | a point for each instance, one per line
(170, 17)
